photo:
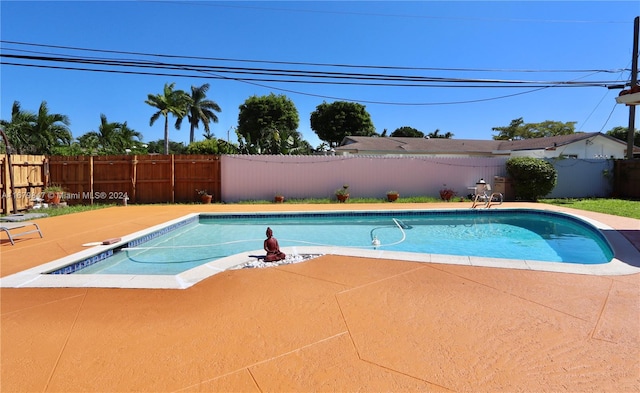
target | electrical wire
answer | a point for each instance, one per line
(253, 75)
(299, 63)
(327, 77)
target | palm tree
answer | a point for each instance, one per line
(103, 138)
(17, 129)
(126, 137)
(174, 102)
(111, 137)
(49, 131)
(437, 134)
(89, 143)
(201, 109)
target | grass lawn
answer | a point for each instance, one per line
(618, 207)
(52, 212)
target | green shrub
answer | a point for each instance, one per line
(207, 146)
(532, 177)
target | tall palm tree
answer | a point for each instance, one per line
(49, 131)
(174, 102)
(201, 109)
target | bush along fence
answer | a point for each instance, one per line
(232, 178)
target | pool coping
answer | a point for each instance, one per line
(621, 264)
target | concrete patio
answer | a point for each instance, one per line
(331, 324)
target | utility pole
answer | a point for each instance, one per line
(634, 82)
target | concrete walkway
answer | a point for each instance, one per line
(335, 323)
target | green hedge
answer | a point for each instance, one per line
(532, 178)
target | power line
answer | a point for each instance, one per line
(305, 63)
(253, 75)
(293, 91)
(311, 77)
(411, 16)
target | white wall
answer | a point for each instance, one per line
(261, 177)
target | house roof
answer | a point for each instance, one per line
(407, 145)
(552, 141)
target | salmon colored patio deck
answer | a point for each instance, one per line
(332, 324)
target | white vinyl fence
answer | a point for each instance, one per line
(261, 177)
(583, 178)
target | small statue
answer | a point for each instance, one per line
(272, 248)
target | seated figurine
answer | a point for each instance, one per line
(272, 248)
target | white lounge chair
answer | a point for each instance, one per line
(483, 195)
(7, 227)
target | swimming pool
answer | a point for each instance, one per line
(236, 240)
(531, 235)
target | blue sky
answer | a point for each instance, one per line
(542, 42)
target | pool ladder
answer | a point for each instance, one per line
(487, 200)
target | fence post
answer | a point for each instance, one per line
(134, 178)
(10, 166)
(91, 178)
(173, 178)
(6, 189)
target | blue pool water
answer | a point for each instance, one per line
(511, 234)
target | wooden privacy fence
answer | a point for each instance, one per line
(626, 175)
(138, 179)
(28, 181)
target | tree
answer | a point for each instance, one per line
(332, 122)
(37, 133)
(407, 132)
(48, 131)
(268, 125)
(89, 143)
(550, 128)
(208, 135)
(100, 141)
(170, 102)
(518, 129)
(201, 110)
(532, 177)
(436, 134)
(510, 133)
(111, 138)
(157, 147)
(128, 138)
(72, 150)
(17, 129)
(621, 133)
(212, 146)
